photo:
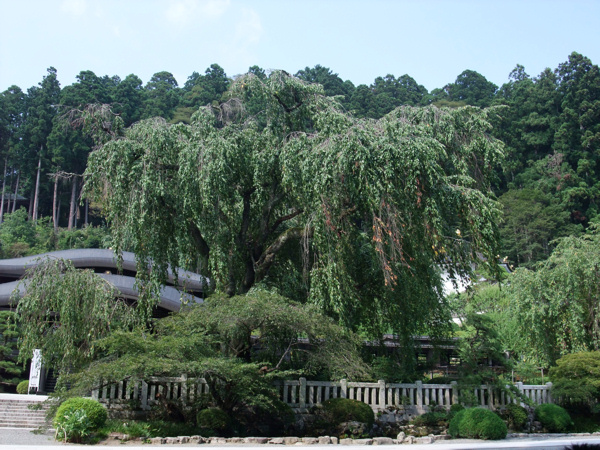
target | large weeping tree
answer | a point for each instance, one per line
(279, 187)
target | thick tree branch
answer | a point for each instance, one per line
(267, 258)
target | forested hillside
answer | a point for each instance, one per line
(549, 186)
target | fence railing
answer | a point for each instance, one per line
(302, 394)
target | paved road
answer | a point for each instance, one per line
(20, 439)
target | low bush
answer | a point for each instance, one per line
(23, 387)
(68, 418)
(74, 426)
(213, 420)
(477, 423)
(515, 416)
(553, 418)
(345, 410)
(455, 409)
(430, 419)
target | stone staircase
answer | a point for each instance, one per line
(15, 412)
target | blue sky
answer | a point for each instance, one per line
(431, 40)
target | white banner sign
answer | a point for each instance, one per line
(36, 369)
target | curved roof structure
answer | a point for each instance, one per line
(105, 263)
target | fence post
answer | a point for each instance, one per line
(548, 396)
(302, 396)
(419, 385)
(344, 388)
(382, 404)
(519, 385)
(454, 388)
(184, 389)
(144, 395)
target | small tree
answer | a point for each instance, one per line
(576, 379)
(64, 310)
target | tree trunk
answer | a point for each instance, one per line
(31, 202)
(37, 188)
(14, 207)
(73, 198)
(3, 190)
(87, 207)
(8, 201)
(54, 216)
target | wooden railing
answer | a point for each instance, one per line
(303, 394)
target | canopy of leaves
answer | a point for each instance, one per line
(576, 379)
(362, 210)
(238, 344)
(557, 305)
(64, 310)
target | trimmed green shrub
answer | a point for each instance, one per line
(95, 412)
(345, 410)
(23, 387)
(455, 409)
(515, 416)
(213, 419)
(477, 423)
(553, 418)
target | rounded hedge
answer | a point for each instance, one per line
(553, 418)
(477, 423)
(23, 387)
(343, 410)
(515, 416)
(95, 412)
(213, 419)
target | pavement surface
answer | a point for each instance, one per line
(23, 439)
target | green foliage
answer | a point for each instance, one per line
(73, 426)
(477, 423)
(96, 414)
(23, 387)
(212, 342)
(553, 418)
(515, 416)
(339, 410)
(360, 208)
(17, 234)
(557, 305)
(430, 419)
(64, 310)
(531, 220)
(478, 345)
(213, 420)
(576, 379)
(11, 372)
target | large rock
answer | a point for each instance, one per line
(383, 441)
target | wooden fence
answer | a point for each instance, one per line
(302, 394)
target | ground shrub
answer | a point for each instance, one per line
(95, 412)
(455, 409)
(213, 420)
(23, 387)
(477, 423)
(345, 410)
(357, 416)
(430, 419)
(553, 418)
(515, 416)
